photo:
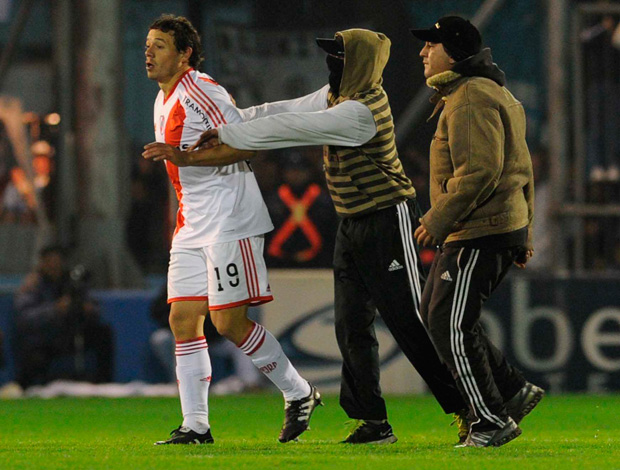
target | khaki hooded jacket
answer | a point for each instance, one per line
(481, 179)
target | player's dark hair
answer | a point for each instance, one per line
(185, 35)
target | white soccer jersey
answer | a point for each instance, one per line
(216, 204)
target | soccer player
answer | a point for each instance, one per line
(482, 198)
(376, 263)
(216, 259)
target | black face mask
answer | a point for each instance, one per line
(335, 66)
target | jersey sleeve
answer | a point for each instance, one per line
(316, 101)
(347, 124)
(228, 112)
(213, 100)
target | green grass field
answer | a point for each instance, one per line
(563, 432)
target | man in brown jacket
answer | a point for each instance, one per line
(482, 194)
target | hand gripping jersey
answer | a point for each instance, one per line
(216, 204)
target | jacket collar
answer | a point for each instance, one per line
(443, 83)
(477, 65)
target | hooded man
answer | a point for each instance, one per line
(482, 194)
(376, 262)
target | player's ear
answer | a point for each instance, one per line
(187, 54)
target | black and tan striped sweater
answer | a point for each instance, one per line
(369, 177)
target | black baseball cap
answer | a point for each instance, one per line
(459, 37)
(332, 46)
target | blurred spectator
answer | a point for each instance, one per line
(146, 228)
(44, 180)
(233, 371)
(16, 198)
(59, 332)
(7, 159)
(602, 71)
(602, 81)
(303, 215)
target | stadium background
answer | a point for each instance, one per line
(72, 74)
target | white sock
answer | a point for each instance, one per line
(243, 367)
(194, 377)
(267, 355)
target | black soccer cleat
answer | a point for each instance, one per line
(184, 435)
(493, 438)
(297, 414)
(524, 401)
(364, 432)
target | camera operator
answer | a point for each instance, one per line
(59, 332)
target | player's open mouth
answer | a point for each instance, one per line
(149, 66)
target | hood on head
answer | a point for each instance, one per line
(366, 54)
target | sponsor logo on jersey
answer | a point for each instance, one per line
(161, 125)
(203, 116)
(446, 276)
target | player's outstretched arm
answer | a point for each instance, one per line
(218, 156)
(215, 156)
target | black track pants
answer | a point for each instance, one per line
(460, 280)
(377, 267)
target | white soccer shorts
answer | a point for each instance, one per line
(227, 274)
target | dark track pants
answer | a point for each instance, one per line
(377, 267)
(460, 280)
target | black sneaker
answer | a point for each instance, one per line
(364, 432)
(297, 414)
(493, 438)
(524, 401)
(463, 420)
(184, 435)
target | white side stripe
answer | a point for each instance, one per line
(411, 258)
(461, 361)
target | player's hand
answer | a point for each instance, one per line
(157, 151)
(423, 237)
(523, 257)
(208, 139)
